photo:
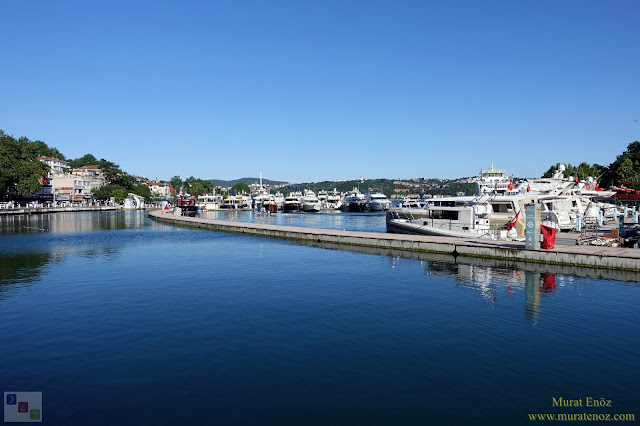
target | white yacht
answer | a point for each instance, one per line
(493, 181)
(209, 202)
(233, 202)
(292, 203)
(461, 220)
(377, 201)
(310, 203)
(279, 199)
(334, 200)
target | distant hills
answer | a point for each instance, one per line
(247, 180)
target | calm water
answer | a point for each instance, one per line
(121, 320)
(370, 221)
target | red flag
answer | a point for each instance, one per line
(513, 222)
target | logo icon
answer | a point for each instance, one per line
(23, 407)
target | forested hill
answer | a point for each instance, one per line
(247, 180)
(397, 187)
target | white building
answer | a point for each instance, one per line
(92, 178)
(56, 165)
(162, 190)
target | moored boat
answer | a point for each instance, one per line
(354, 201)
(292, 202)
(377, 201)
(310, 203)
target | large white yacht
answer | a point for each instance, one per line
(209, 202)
(334, 200)
(493, 181)
(292, 203)
(310, 203)
(377, 201)
(279, 199)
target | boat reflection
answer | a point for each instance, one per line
(497, 279)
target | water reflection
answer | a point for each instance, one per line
(70, 222)
(21, 269)
(371, 222)
(495, 279)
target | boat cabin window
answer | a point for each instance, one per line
(502, 207)
(444, 203)
(443, 214)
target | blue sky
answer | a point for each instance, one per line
(324, 90)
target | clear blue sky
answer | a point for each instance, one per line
(323, 90)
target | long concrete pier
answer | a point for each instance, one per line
(626, 259)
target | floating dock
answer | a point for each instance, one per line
(599, 257)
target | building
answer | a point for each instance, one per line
(161, 189)
(72, 186)
(56, 165)
(91, 177)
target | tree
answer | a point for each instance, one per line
(19, 166)
(241, 187)
(196, 186)
(625, 170)
(42, 149)
(621, 169)
(107, 191)
(143, 191)
(176, 183)
(85, 160)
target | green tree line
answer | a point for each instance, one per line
(20, 170)
(626, 167)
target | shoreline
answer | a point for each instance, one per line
(42, 210)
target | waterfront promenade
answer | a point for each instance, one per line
(599, 257)
(41, 210)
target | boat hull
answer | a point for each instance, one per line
(401, 226)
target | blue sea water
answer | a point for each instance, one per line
(121, 320)
(365, 221)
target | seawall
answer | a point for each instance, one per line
(626, 259)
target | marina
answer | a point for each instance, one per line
(446, 232)
(274, 331)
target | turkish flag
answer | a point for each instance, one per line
(513, 222)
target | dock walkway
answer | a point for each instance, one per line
(626, 259)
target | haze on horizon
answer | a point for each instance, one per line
(314, 91)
